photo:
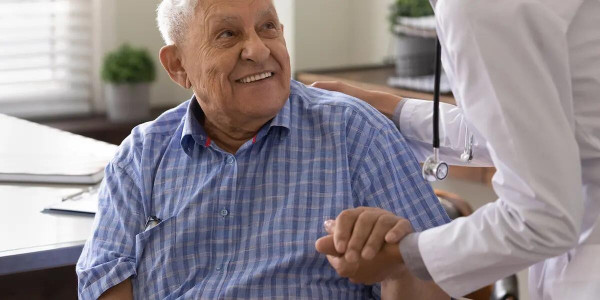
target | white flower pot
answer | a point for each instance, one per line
(128, 102)
(415, 56)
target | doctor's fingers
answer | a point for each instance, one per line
(360, 233)
(387, 225)
(353, 228)
(338, 86)
(344, 224)
(399, 231)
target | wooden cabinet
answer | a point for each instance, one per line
(375, 78)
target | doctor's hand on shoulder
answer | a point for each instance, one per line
(383, 102)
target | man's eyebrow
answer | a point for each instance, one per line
(269, 12)
(222, 19)
(229, 19)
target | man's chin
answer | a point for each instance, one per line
(265, 109)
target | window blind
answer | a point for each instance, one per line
(45, 56)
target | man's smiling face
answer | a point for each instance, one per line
(236, 59)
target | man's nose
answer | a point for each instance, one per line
(255, 49)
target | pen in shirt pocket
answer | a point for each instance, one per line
(151, 222)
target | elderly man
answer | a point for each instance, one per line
(224, 196)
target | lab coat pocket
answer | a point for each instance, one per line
(155, 259)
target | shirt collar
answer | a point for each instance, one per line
(193, 132)
(282, 119)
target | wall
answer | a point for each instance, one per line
(287, 17)
(371, 39)
(341, 33)
(134, 22)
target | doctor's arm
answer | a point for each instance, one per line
(513, 79)
(414, 118)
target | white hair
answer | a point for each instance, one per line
(173, 17)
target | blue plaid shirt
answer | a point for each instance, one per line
(244, 225)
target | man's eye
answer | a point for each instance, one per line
(226, 34)
(270, 26)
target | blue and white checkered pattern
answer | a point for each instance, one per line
(244, 225)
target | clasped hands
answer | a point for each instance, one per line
(362, 244)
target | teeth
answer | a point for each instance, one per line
(257, 77)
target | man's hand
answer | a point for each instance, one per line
(386, 265)
(356, 247)
(362, 231)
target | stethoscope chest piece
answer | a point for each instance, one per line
(434, 169)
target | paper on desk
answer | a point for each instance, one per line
(86, 203)
(31, 152)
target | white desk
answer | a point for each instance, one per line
(31, 239)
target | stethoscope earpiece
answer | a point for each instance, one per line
(465, 157)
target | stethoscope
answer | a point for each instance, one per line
(435, 169)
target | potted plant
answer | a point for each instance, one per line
(128, 73)
(413, 25)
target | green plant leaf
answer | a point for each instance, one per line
(408, 8)
(128, 65)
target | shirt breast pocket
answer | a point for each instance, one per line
(156, 264)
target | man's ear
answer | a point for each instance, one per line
(171, 61)
(283, 35)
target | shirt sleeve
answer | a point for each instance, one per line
(389, 177)
(108, 257)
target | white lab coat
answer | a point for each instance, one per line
(526, 76)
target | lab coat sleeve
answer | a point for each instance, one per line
(509, 62)
(415, 121)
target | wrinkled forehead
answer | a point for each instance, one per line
(217, 10)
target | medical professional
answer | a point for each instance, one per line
(526, 77)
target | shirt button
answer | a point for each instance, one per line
(230, 160)
(224, 212)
